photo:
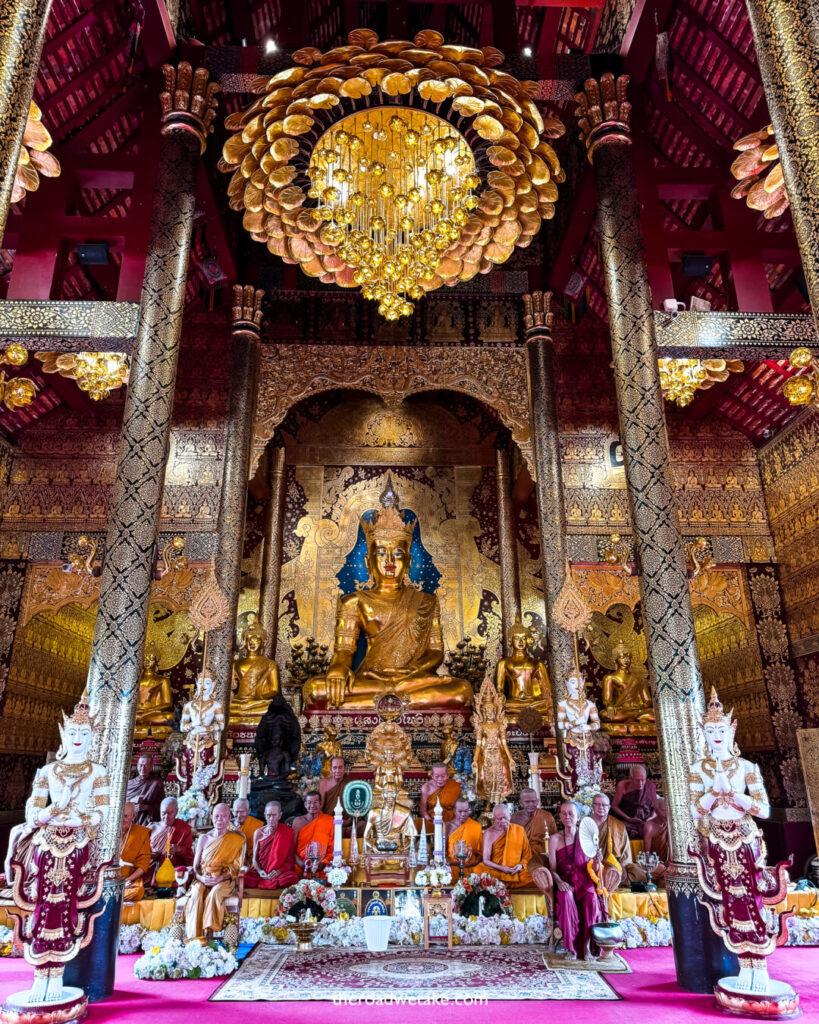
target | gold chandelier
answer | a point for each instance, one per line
(96, 373)
(16, 392)
(393, 166)
(803, 390)
(681, 379)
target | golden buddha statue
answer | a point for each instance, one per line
(389, 826)
(329, 747)
(523, 680)
(402, 626)
(627, 704)
(255, 679)
(155, 705)
(492, 762)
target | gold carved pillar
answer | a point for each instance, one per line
(230, 528)
(188, 109)
(507, 547)
(604, 115)
(786, 37)
(22, 31)
(537, 321)
(273, 548)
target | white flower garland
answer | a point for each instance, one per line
(483, 883)
(175, 959)
(309, 889)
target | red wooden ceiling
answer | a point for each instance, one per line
(90, 87)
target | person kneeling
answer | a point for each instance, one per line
(219, 858)
(274, 851)
(579, 905)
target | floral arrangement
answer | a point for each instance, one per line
(296, 899)
(435, 875)
(582, 799)
(803, 929)
(467, 784)
(645, 931)
(177, 959)
(193, 805)
(307, 784)
(472, 886)
(338, 874)
(7, 947)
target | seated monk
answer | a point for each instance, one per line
(614, 846)
(244, 822)
(538, 824)
(579, 905)
(146, 791)
(134, 854)
(220, 856)
(332, 792)
(441, 788)
(274, 851)
(402, 626)
(506, 854)
(635, 800)
(315, 830)
(462, 827)
(655, 837)
(171, 837)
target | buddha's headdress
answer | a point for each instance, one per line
(518, 629)
(716, 713)
(255, 630)
(388, 523)
(621, 649)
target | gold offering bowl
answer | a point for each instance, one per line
(303, 930)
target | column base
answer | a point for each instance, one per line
(700, 956)
(94, 967)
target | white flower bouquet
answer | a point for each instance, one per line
(193, 805)
(176, 959)
(435, 875)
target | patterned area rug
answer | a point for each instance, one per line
(479, 972)
(614, 965)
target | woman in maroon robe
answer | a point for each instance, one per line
(578, 905)
(274, 852)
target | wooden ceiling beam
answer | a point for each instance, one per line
(131, 100)
(713, 96)
(696, 19)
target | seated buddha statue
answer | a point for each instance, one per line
(523, 680)
(627, 703)
(155, 705)
(255, 679)
(402, 625)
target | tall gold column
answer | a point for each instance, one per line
(537, 321)
(604, 115)
(230, 527)
(189, 107)
(22, 31)
(507, 547)
(786, 36)
(273, 548)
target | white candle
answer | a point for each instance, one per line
(438, 821)
(338, 818)
(244, 776)
(534, 772)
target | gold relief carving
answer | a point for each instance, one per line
(808, 740)
(48, 588)
(107, 322)
(497, 323)
(291, 373)
(445, 322)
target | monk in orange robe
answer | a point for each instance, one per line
(439, 788)
(274, 851)
(134, 854)
(244, 822)
(462, 827)
(538, 825)
(506, 854)
(220, 855)
(317, 828)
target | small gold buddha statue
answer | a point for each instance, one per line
(389, 826)
(402, 626)
(329, 747)
(155, 705)
(523, 680)
(255, 679)
(627, 704)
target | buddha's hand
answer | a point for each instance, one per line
(338, 680)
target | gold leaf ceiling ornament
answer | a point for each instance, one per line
(759, 174)
(393, 166)
(680, 379)
(34, 156)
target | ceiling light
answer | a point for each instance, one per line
(527, 51)
(270, 46)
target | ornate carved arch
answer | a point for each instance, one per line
(289, 373)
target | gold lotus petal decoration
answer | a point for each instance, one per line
(681, 379)
(33, 160)
(759, 174)
(395, 166)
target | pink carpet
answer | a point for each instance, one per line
(649, 995)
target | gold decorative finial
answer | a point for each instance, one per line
(537, 310)
(603, 112)
(188, 101)
(388, 524)
(247, 309)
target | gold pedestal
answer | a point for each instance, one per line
(438, 903)
(387, 868)
(303, 930)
